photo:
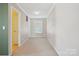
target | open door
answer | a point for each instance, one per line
(3, 29)
(15, 19)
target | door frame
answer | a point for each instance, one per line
(10, 28)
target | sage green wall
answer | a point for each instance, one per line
(4, 33)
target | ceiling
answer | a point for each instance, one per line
(42, 8)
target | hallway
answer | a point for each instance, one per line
(39, 29)
(36, 47)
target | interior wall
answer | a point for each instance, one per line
(67, 29)
(23, 28)
(51, 27)
(63, 29)
(28, 25)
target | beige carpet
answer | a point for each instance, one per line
(35, 47)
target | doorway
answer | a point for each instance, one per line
(15, 29)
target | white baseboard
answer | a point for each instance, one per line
(24, 41)
(54, 48)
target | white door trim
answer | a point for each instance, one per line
(10, 28)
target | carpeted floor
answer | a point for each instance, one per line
(35, 47)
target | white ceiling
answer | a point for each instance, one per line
(30, 8)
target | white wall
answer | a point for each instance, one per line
(67, 29)
(51, 26)
(23, 28)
